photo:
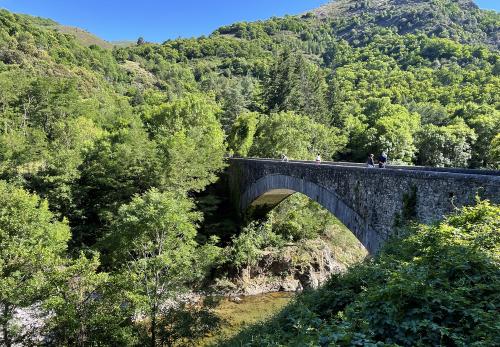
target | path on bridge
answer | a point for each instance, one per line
(483, 172)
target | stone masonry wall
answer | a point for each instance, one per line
(369, 201)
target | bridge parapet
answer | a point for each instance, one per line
(371, 202)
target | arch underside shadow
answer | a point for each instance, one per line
(269, 191)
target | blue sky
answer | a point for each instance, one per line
(158, 20)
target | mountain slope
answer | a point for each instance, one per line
(81, 36)
(347, 64)
(460, 20)
(84, 37)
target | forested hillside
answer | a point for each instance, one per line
(427, 97)
(460, 20)
(108, 157)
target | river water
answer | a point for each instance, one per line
(248, 310)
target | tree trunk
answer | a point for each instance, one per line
(153, 328)
(5, 326)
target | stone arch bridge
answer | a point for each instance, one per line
(369, 201)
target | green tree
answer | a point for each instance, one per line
(296, 136)
(57, 178)
(32, 244)
(236, 96)
(431, 113)
(248, 246)
(88, 307)
(445, 146)
(392, 131)
(494, 153)
(189, 139)
(242, 133)
(394, 135)
(295, 84)
(155, 236)
(300, 218)
(117, 167)
(485, 121)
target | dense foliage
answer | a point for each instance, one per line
(106, 155)
(382, 85)
(31, 246)
(439, 285)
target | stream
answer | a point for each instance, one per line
(250, 310)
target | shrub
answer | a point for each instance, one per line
(439, 285)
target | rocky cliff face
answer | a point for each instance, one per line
(293, 268)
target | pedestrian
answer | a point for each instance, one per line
(318, 159)
(284, 157)
(382, 160)
(370, 162)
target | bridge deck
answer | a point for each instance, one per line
(481, 172)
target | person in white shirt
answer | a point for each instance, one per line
(370, 162)
(318, 159)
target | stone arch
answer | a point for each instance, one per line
(270, 190)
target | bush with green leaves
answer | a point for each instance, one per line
(299, 218)
(32, 245)
(88, 306)
(438, 285)
(247, 247)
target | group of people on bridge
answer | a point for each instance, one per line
(382, 160)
